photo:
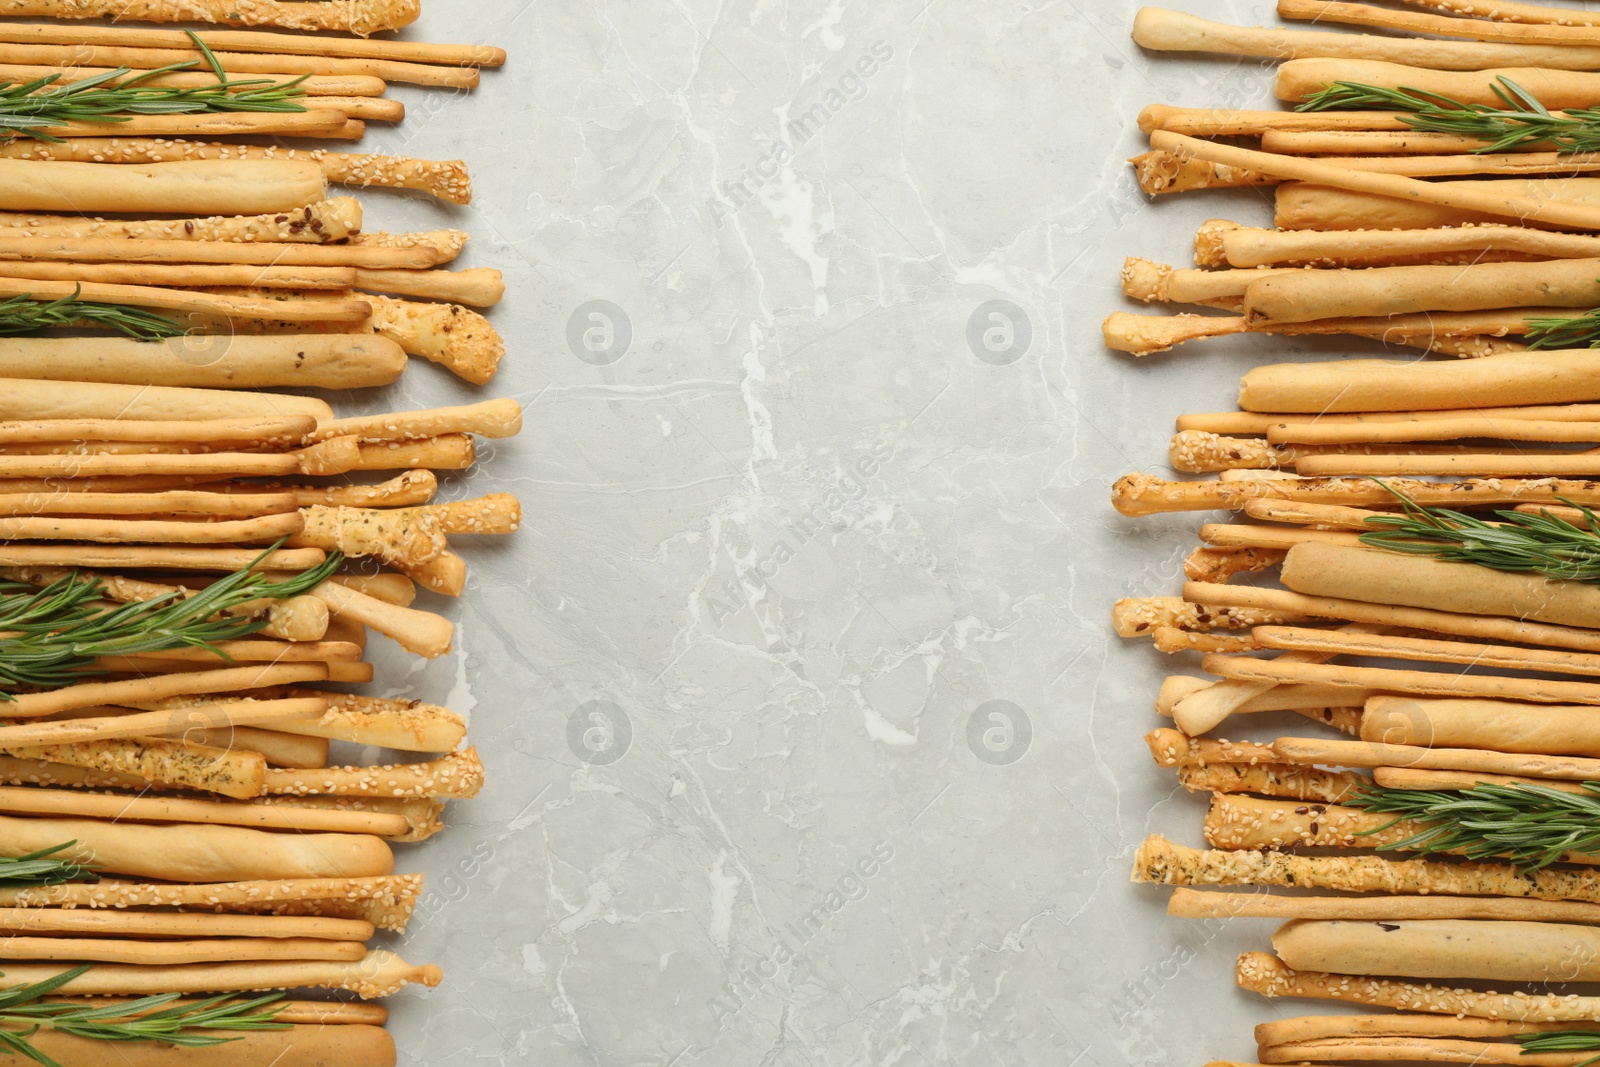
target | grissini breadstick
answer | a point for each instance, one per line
(1211, 564)
(1488, 22)
(1270, 779)
(1165, 862)
(478, 287)
(1255, 600)
(1443, 948)
(457, 775)
(1297, 295)
(1413, 581)
(103, 53)
(230, 772)
(1313, 1028)
(1383, 385)
(1247, 247)
(1317, 432)
(24, 399)
(312, 225)
(450, 55)
(379, 974)
(1161, 30)
(16, 68)
(1241, 822)
(1431, 683)
(1137, 616)
(424, 815)
(1492, 724)
(1504, 657)
(1272, 537)
(1170, 639)
(1454, 195)
(392, 897)
(1248, 422)
(1263, 973)
(1149, 281)
(361, 19)
(1174, 748)
(260, 651)
(56, 802)
(1324, 516)
(1217, 122)
(193, 852)
(284, 431)
(246, 531)
(1471, 334)
(326, 123)
(157, 557)
(1322, 205)
(1370, 754)
(320, 360)
(1375, 143)
(389, 588)
(421, 632)
(359, 1044)
(410, 488)
(1198, 904)
(1312, 698)
(1433, 1050)
(226, 680)
(1298, 79)
(334, 307)
(490, 418)
(1425, 778)
(1486, 464)
(175, 503)
(244, 187)
(277, 748)
(161, 953)
(179, 275)
(231, 713)
(1196, 451)
(169, 249)
(404, 725)
(448, 452)
(1160, 173)
(335, 456)
(175, 924)
(1146, 494)
(394, 536)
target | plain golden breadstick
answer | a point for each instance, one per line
(361, 19)
(1385, 754)
(333, 308)
(168, 249)
(1443, 948)
(1382, 143)
(1487, 464)
(259, 651)
(1313, 206)
(449, 55)
(421, 632)
(1540, 24)
(161, 953)
(1298, 79)
(315, 1044)
(1145, 494)
(104, 53)
(1448, 195)
(181, 503)
(1324, 516)
(226, 680)
(1221, 122)
(379, 974)
(1504, 657)
(335, 456)
(282, 431)
(319, 123)
(448, 452)
(245, 187)
(1429, 683)
(405, 725)
(107, 922)
(1257, 423)
(195, 852)
(72, 803)
(424, 816)
(1432, 1050)
(1161, 30)
(457, 775)
(1384, 385)
(1263, 973)
(390, 588)
(1315, 431)
(24, 399)
(479, 287)
(1499, 725)
(1253, 601)
(1272, 537)
(232, 713)
(1247, 247)
(181, 275)
(23, 67)
(246, 531)
(411, 488)
(1198, 904)
(1310, 698)
(1466, 334)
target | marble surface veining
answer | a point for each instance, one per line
(808, 740)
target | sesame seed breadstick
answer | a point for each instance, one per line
(1162, 861)
(501, 417)
(360, 17)
(378, 974)
(197, 852)
(1263, 973)
(447, 452)
(1241, 822)
(457, 775)
(1270, 779)
(1202, 904)
(1174, 748)
(393, 536)
(445, 574)
(1170, 31)
(410, 488)
(405, 725)
(36, 801)
(1170, 639)
(1211, 564)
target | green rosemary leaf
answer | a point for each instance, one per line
(25, 315)
(1561, 1041)
(39, 869)
(1529, 826)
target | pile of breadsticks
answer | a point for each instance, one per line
(1424, 682)
(222, 817)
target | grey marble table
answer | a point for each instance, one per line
(808, 740)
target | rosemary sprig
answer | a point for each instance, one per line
(38, 869)
(1561, 1041)
(1529, 826)
(1579, 331)
(1523, 120)
(27, 107)
(1516, 541)
(24, 1012)
(24, 315)
(52, 636)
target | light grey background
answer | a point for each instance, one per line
(783, 553)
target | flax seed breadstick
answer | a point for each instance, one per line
(1492, 724)
(325, 361)
(1202, 904)
(244, 187)
(1211, 564)
(1241, 822)
(1443, 948)
(1383, 385)
(1313, 206)
(200, 853)
(1170, 31)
